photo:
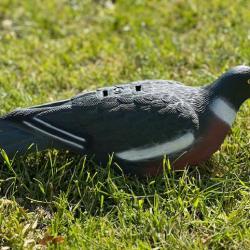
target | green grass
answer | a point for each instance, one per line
(51, 50)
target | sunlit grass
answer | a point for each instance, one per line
(50, 50)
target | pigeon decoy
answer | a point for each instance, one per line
(139, 122)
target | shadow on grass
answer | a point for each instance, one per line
(44, 179)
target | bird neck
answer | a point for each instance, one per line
(223, 110)
(226, 91)
(217, 106)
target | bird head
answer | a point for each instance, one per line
(234, 85)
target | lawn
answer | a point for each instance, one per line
(53, 49)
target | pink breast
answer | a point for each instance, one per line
(203, 148)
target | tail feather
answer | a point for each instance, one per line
(45, 126)
(16, 139)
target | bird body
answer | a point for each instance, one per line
(138, 122)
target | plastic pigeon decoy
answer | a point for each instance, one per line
(139, 122)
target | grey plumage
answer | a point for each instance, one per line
(148, 117)
(109, 119)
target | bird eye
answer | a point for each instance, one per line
(248, 81)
